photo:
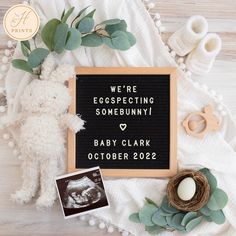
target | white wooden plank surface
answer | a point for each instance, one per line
(25, 220)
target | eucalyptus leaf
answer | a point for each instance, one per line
(22, 65)
(218, 200)
(48, 33)
(86, 25)
(26, 43)
(25, 48)
(91, 40)
(205, 211)
(204, 170)
(169, 220)
(110, 22)
(135, 218)
(148, 200)
(193, 223)
(146, 213)
(188, 217)
(211, 179)
(131, 38)
(107, 41)
(176, 221)
(158, 219)
(37, 56)
(172, 225)
(60, 37)
(167, 207)
(91, 14)
(207, 218)
(73, 40)
(81, 12)
(67, 14)
(63, 13)
(218, 217)
(120, 40)
(153, 230)
(164, 213)
(122, 26)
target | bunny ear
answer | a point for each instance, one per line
(208, 109)
(48, 66)
(63, 73)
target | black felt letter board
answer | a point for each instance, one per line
(127, 121)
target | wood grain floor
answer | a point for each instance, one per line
(221, 15)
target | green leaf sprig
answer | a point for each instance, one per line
(166, 217)
(34, 58)
(58, 35)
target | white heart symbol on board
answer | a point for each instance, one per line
(123, 127)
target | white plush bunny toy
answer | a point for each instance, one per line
(44, 116)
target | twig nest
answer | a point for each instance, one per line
(199, 199)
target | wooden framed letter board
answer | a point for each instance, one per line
(130, 116)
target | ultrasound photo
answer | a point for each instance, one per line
(81, 192)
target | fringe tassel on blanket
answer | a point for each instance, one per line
(6, 60)
(103, 225)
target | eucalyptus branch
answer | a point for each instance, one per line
(73, 21)
(59, 36)
(95, 28)
(102, 33)
(34, 39)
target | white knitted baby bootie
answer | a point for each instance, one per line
(186, 39)
(202, 58)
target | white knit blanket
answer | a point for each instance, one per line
(216, 151)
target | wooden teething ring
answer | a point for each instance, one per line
(212, 123)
